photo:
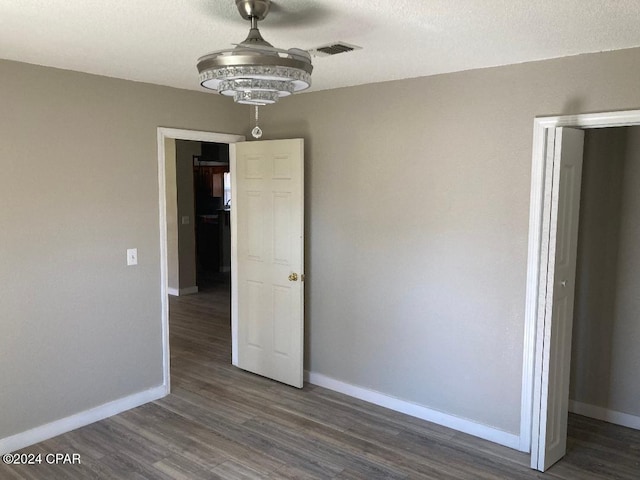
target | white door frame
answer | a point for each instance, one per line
(176, 134)
(536, 268)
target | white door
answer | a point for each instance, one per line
(267, 229)
(550, 415)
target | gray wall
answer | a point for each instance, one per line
(185, 150)
(606, 332)
(417, 195)
(78, 186)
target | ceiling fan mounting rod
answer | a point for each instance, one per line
(253, 10)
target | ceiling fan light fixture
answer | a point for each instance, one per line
(254, 72)
(231, 87)
(256, 97)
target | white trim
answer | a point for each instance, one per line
(234, 257)
(535, 219)
(486, 432)
(177, 134)
(164, 285)
(532, 349)
(601, 413)
(64, 425)
(188, 290)
(183, 291)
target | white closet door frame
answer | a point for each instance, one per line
(539, 223)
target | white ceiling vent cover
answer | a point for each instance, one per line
(333, 48)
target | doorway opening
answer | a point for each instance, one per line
(537, 390)
(210, 184)
(169, 222)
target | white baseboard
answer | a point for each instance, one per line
(601, 413)
(464, 425)
(183, 291)
(64, 425)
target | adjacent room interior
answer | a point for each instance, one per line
(199, 242)
(604, 360)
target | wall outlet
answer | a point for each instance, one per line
(132, 256)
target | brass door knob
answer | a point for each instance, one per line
(293, 277)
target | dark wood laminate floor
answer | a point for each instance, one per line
(223, 423)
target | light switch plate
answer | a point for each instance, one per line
(185, 220)
(132, 256)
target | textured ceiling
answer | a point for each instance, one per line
(159, 41)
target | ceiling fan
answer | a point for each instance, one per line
(255, 72)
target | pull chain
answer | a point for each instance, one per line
(257, 131)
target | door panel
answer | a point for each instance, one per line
(254, 227)
(267, 230)
(281, 320)
(253, 298)
(560, 289)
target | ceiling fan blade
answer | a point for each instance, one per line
(264, 48)
(261, 48)
(294, 16)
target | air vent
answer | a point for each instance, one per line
(333, 49)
